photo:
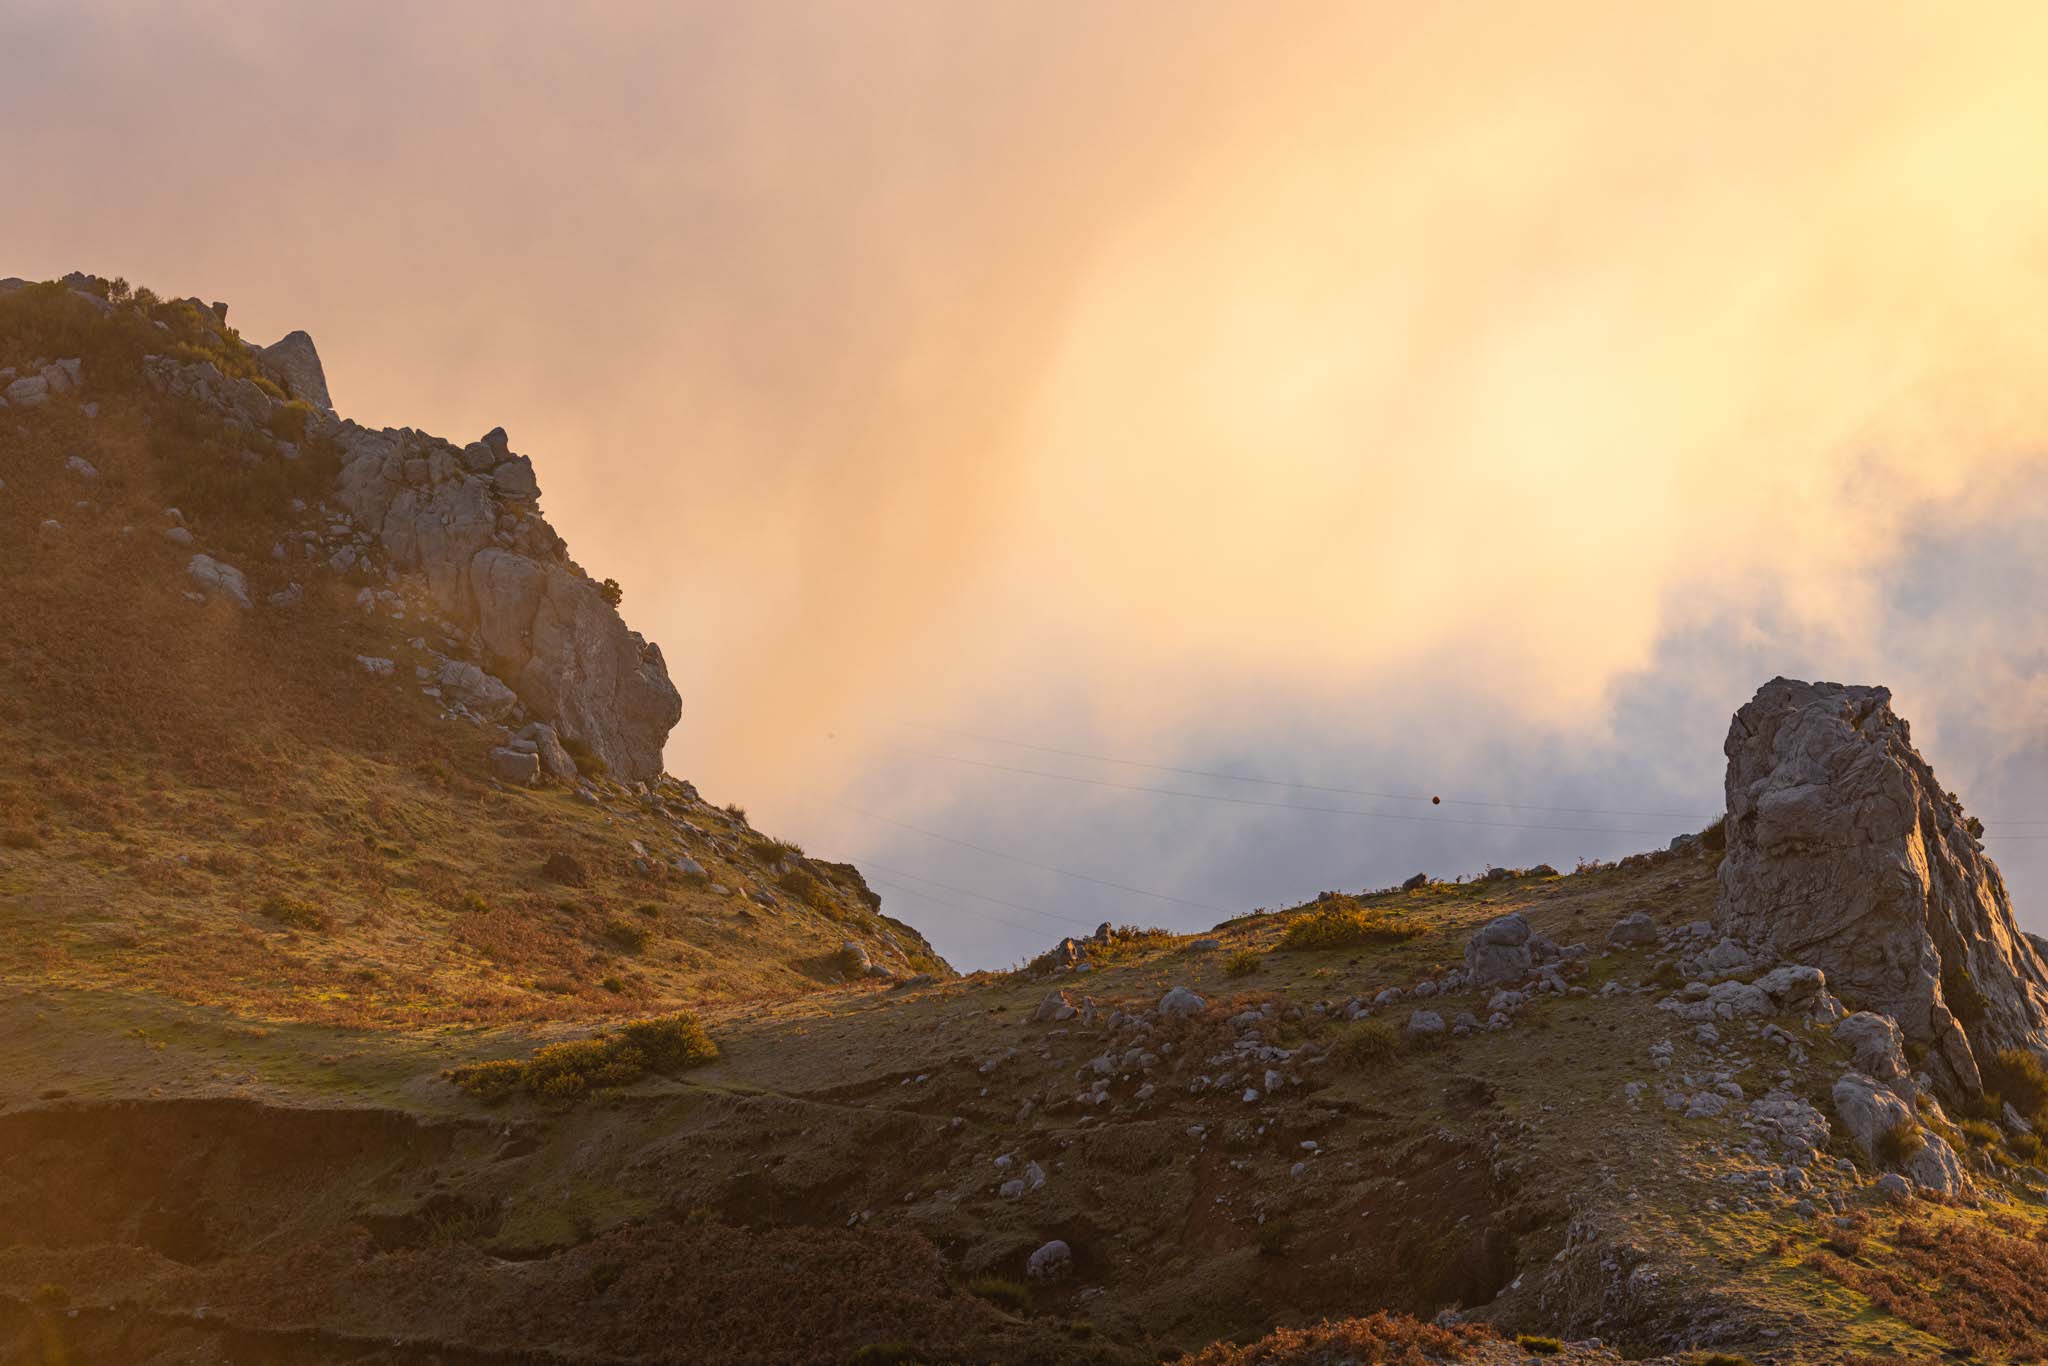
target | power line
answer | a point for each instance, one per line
(1032, 863)
(963, 891)
(1280, 806)
(955, 906)
(1305, 787)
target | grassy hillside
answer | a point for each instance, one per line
(219, 804)
(865, 1140)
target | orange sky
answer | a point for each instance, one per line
(1140, 373)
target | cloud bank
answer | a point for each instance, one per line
(1476, 401)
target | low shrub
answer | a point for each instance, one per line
(295, 913)
(625, 935)
(671, 1043)
(1242, 963)
(564, 868)
(1344, 925)
(773, 851)
(1370, 1041)
(569, 1070)
(804, 888)
(1900, 1140)
(2017, 1077)
(1539, 1347)
(1979, 1131)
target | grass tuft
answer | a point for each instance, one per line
(1344, 924)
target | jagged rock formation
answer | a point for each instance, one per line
(294, 358)
(466, 519)
(1844, 852)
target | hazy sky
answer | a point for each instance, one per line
(1472, 399)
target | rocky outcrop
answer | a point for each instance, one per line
(294, 361)
(1844, 852)
(465, 519)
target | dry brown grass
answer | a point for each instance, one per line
(1375, 1340)
(1956, 1279)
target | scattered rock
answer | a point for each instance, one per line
(216, 579)
(1054, 1008)
(1051, 1262)
(515, 766)
(1424, 1023)
(1634, 930)
(484, 693)
(1181, 1001)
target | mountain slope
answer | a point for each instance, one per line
(296, 807)
(339, 883)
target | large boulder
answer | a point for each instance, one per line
(1871, 1114)
(294, 359)
(1499, 951)
(218, 579)
(1844, 852)
(485, 694)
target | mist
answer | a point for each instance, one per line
(1477, 404)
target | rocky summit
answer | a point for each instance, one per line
(1846, 853)
(371, 992)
